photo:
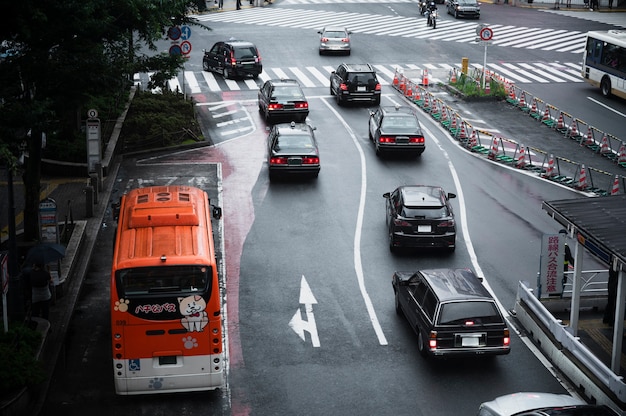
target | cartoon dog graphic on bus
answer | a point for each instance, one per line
(193, 310)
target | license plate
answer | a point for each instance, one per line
(470, 341)
(294, 161)
(424, 229)
(361, 89)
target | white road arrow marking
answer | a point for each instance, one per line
(297, 323)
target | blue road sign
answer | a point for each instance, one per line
(185, 32)
(176, 50)
(174, 33)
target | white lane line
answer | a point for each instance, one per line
(358, 265)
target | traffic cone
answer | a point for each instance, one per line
(409, 91)
(488, 86)
(473, 141)
(453, 79)
(521, 158)
(462, 133)
(395, 79)
(550, 170)
(615, 188)
(493, 152)
(560, 124)
(582, 179)
(402, 85)
(418, 95)
(512, 93)
(574, 128)
(444, 114)
(533, 107)
(426, 102)
(522, 100)
(621, 154)
(604, 145)
(425, 78)
(453, 126)
(546, 115)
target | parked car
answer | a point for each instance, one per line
(284, 99)
(335, 39)
(292, 149)
(233, 58)
(396, 129)
(464, 8)
(537, 404)
(355, 82)
(452, 313)
(420, 216)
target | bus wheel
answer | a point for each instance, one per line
(605, 86)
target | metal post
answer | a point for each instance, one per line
(484, 65)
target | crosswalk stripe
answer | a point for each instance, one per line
(312, 77)
(408, 27)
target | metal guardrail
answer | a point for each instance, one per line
(603, 373)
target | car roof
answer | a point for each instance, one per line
(511, 404)
(451, 284)
(237, 42)
(359, 67)
(398, 109)
(278, 81)
(293, 128)
(421, 195)
(335, 29)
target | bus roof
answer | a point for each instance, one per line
(617, 37)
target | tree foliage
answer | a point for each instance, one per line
(62, 56)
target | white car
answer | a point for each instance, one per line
(335, 39)
(532, 403)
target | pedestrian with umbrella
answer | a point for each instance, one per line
(40, 281)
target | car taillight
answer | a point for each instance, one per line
(378, 87)
(446, 224)
(233, 60)
(432, 342)
(386, 139)
(469, 323)
(302, 105)
(310, 160)
(274, 106)
(324, 39)
(345, 40)
(507, 338)
(401, 223)
(343, 87)
(417, 139)
(278, 161)
(257, 58)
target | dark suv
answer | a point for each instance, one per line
(233, 58)
(420, 216)
(355, 82)
(452, 313)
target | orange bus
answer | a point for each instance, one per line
(166, 319)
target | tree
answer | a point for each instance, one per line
(66, 55)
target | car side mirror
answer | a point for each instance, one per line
(387, 195)
(451, 195)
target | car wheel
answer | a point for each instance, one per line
(321, 53)
(348, 53)
(273, 176)
(331, 90)
(421, 343)
(377, 101)
(397, 302)
(339, 100)
(226, 73)
(392, 246)
(605, 86)
(456, 14)
(205, 66)
(255, 76)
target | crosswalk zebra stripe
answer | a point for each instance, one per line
(302, 77)
(210, 80)
(559, 76)
(527, 73)
(499, 69)
(319, 76)
(192, 82)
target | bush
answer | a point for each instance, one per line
(471, 87)
(20, 367)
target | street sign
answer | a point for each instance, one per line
(175, 50)
(185, 32)
(92, 113)
(185, 47)
(486, 33)
(174, 33)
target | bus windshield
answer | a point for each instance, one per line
(178, 280)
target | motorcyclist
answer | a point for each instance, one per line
(423, 4)
(430, 9)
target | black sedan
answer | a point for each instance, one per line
(292, 150)
(420, 216)
(284, 99)
(396, 129)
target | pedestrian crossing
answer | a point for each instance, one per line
(450, 30)
(196, 82)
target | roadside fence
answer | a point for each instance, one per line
(507, 151)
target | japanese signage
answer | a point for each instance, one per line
(551, 273)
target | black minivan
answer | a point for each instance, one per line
(452, 313)
(233, 58)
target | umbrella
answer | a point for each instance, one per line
(45, 253)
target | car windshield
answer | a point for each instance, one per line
(400, 124)
(300, 141)
(362, 78)
(245, 52)
(335, 34)
(479, 313)
(424, 212)
(287, 92)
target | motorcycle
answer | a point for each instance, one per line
(432, 19)
(422, 5)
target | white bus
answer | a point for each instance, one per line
(604, 62)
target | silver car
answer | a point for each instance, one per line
(532, 403)
(334, 39)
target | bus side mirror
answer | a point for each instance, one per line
(116, 210)
(217, 212)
